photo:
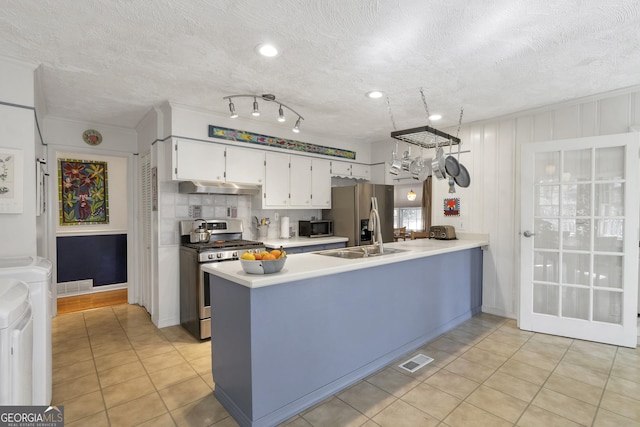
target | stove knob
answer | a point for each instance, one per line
(219, 255)
(235, 254)
(210, 256)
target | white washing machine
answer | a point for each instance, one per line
(16, 343)
(36, 273)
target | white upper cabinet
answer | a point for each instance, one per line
(300, 182)
(350, 170)
(197, 161)
(320, 184)
(245, 166)
(275, 190)
(296, 182)
(360, 171)
(206, 161)
(340, 168)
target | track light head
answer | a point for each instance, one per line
(255, 112)
(296, 128)
(281, 117)
(232, 109)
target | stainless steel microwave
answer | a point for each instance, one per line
(315, 228)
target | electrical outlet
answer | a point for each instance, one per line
(195, 211)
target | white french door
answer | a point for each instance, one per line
(579, 238)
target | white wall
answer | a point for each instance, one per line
(18, 232)
(492, 203)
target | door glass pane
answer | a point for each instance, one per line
(607, 271)
(576, 234)
(546, 236)
(577, 165)
(576, 200)
(610, 163)
(609, 235)
(609, 199)
(576, 268)
(546, 267)
(547, 200)
(575, 302)
(547, 167)
(545, 299)
(607, 306)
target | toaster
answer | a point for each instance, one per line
(442, 232)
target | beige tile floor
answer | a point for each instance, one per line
(112, 366)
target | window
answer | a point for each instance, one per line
(408, 217)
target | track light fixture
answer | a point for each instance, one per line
(256, 110)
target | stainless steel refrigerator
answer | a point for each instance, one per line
(350, 208)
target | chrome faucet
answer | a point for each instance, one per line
(374, 225)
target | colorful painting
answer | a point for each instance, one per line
(452, 207)
(271, 141)
(82, 192)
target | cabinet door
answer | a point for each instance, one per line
(340, 168)
(300, 182)
(245, 166)
(320, 184)
(199, 161)
(360, 171)
(275, 190)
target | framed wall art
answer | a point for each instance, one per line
(11, 186)
(83, 193)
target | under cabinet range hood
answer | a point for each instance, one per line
(204, 187)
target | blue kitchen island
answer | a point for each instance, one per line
(285, 341)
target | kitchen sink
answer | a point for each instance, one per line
(359, 252)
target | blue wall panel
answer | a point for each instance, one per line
(102, 258)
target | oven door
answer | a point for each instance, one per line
(204, 296)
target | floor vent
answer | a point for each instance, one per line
(416, 362)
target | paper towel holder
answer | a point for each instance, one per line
(284, 227)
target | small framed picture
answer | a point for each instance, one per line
(11, 186)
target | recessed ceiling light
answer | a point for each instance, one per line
(267, 50)
(435, 117)
(374, 94)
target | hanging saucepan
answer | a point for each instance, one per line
(463, 179)
(451, 164)
(438, 165)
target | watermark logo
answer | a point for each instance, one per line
(31, 416)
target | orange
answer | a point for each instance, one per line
(276, 253)
(258, 256)
(268, 257)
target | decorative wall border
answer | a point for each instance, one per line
(271, 141)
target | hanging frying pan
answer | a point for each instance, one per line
(451, 164)
(463, 179)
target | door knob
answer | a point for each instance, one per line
(527, 233)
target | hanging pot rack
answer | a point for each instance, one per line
(425, 137)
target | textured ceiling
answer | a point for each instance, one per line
(110, 61)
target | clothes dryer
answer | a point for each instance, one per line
(36, 273)
(16, 343)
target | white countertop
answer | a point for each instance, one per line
(309, 265)
(294, 242)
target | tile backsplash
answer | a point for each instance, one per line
(176, 207)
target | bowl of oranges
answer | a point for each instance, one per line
(266, 262)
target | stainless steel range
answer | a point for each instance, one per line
(225, 244)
